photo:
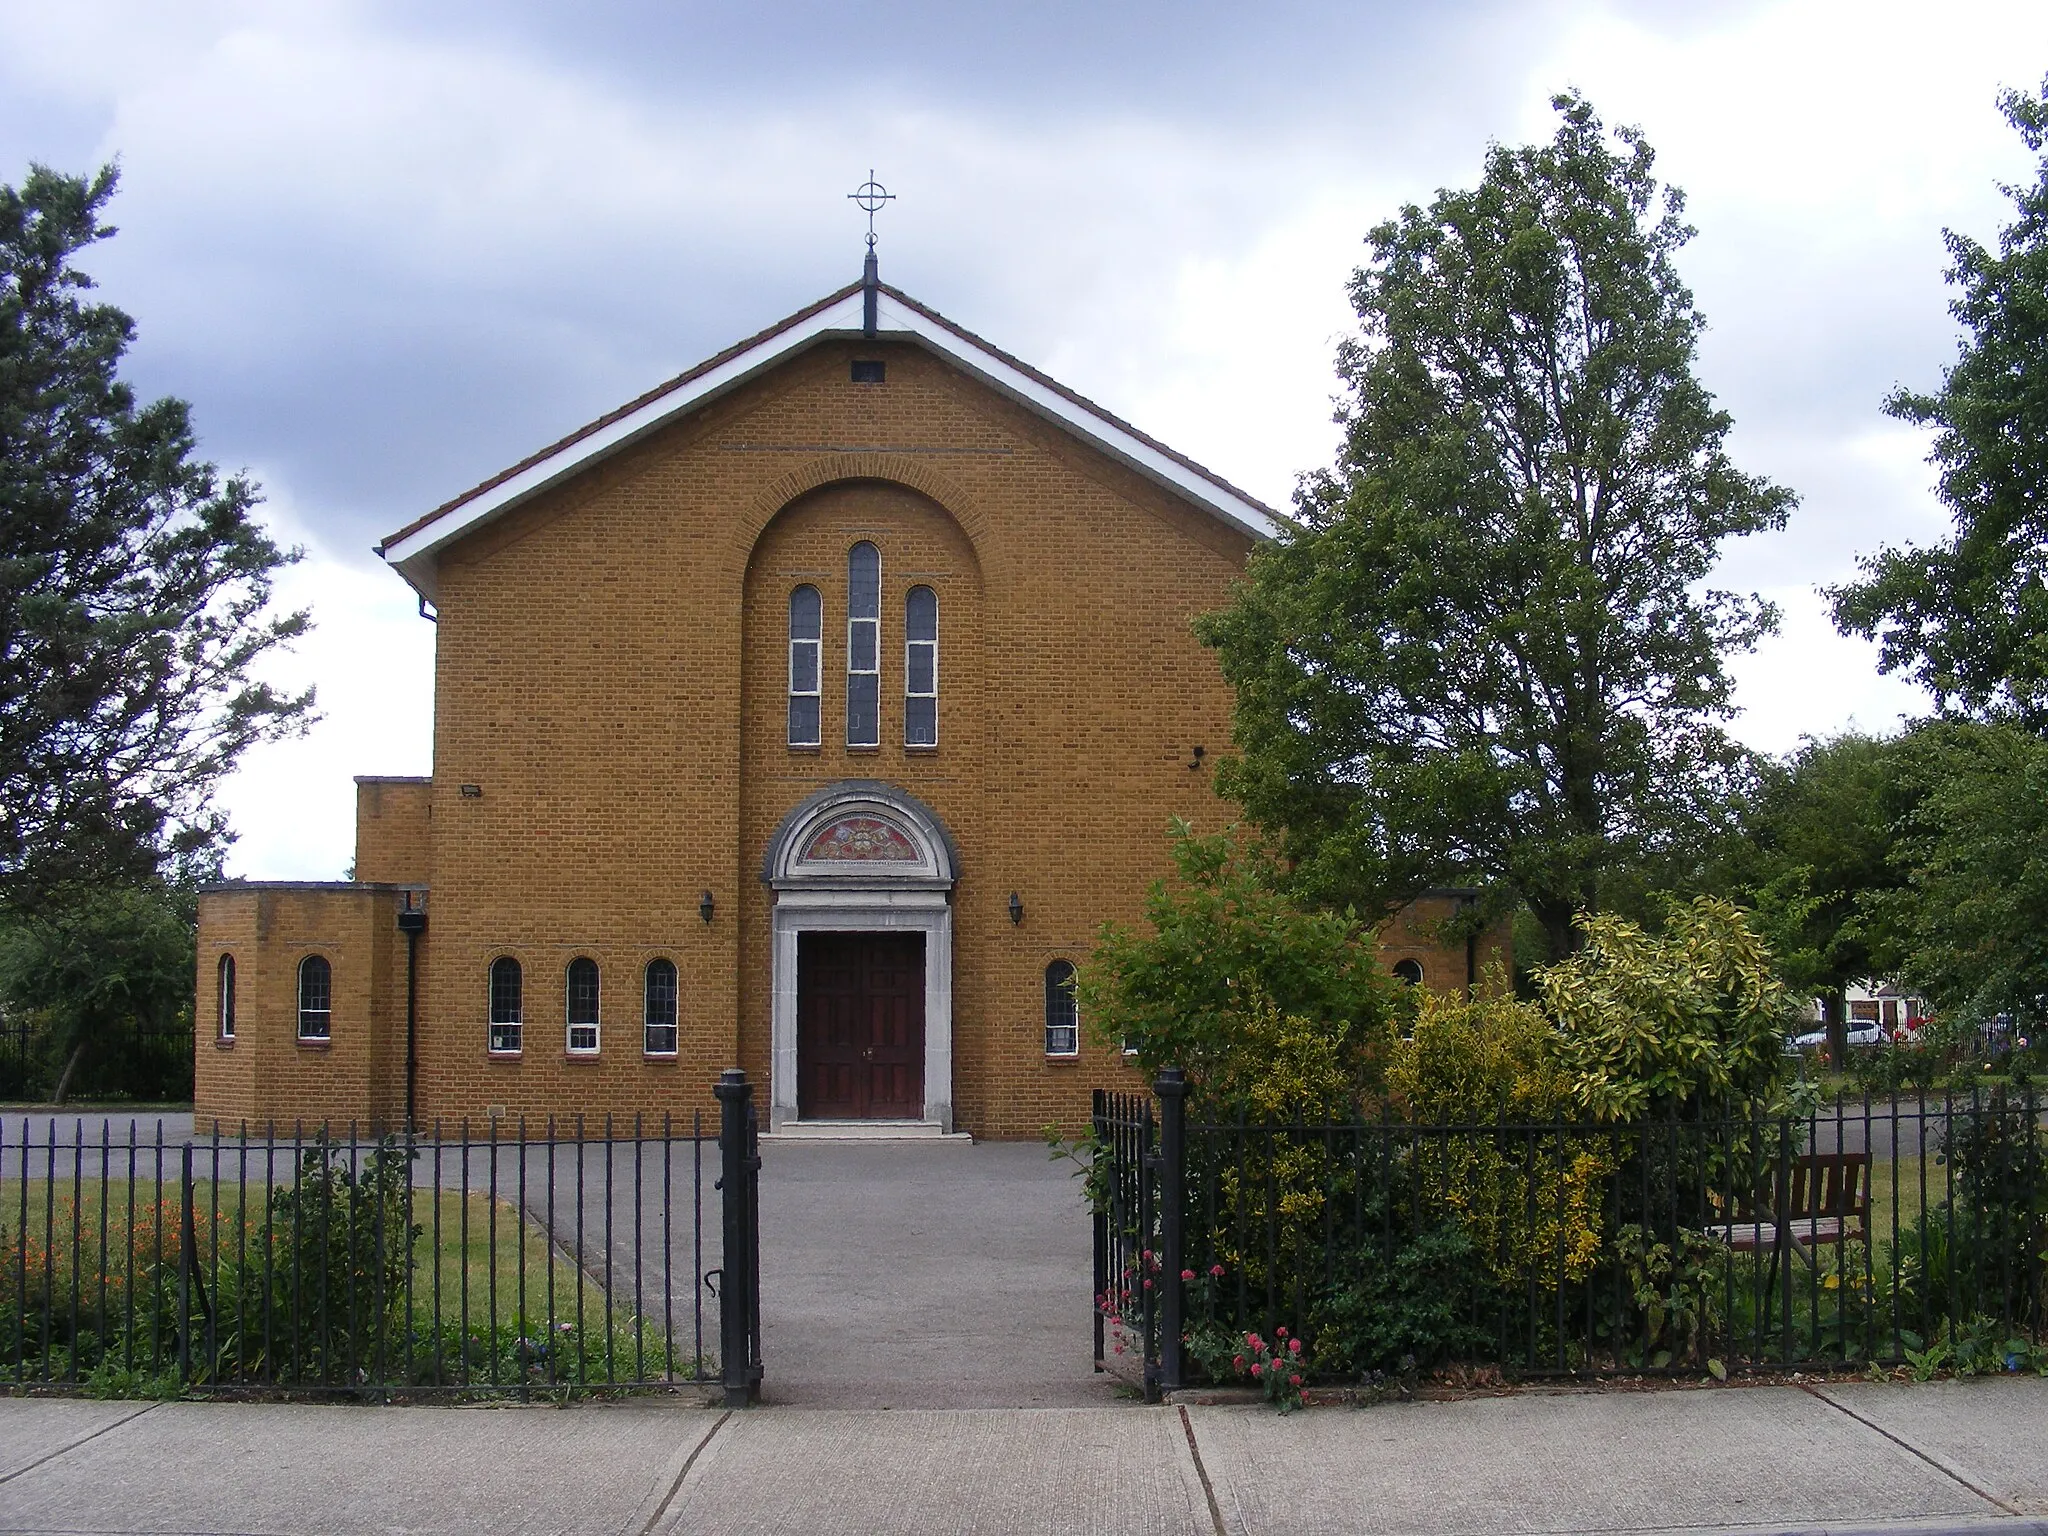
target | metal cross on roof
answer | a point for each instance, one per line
(870, 196)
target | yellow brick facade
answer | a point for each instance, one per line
(610, 748)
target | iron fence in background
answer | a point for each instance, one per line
(563, 1257)
(1902, 1229)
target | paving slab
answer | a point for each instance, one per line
(1017, 1472)
(1991, 1433)
(32, 1429)
(300, 1470)
(1774, 1457)
(925, 1275)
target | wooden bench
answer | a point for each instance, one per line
(1829, 1203)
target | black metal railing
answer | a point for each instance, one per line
(558, 1257)
(1904, 1229)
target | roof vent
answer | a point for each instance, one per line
(868, 370)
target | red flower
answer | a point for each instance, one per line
(1294, 1381)
(1216, 1271)
(1256, 1367)
(1187, 1274)
(1238, 1361)
(1281, 1332)
(1294, 1346)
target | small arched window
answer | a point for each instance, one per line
(1409, 971)
(1062, 1011)
(864, 646)
(806, 637)
(660, 1015)
(227, 997)
(508, 1006)
(583, 1006)
(921, 668)
(316, 998)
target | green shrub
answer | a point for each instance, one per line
(1225, 940)
(1427, 1305)
(1687, 1025)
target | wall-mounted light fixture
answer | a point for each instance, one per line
(1016, 909)
(1199, 754)
(705, 907)
(472, 791)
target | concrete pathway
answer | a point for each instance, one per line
(925, 1275)
(1969, 1456)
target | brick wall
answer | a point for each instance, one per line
(268, 1074)
(394, 826)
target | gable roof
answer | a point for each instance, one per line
(414, 549)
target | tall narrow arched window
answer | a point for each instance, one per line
(583, 1006)
(660, 990)
(921, 668)
(806, 636)
(1062, 1011)
(316, 998)
(227, 997)
(864, 646)
(508, 1006)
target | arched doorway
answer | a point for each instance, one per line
(862, 1012)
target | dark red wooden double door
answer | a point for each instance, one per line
(860, 1026)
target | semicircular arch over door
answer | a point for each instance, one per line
(862, 1016)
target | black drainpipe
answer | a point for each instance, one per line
(412, 922)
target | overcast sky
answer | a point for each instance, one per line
(388, 249)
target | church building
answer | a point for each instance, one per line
(809, 714)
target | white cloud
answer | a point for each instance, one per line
(371, 658)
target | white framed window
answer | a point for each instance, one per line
(659, 1012)
(806, 640)
(1409, 971)
(1062, 1011)
(227, 997)
(508, 1006)
(316, 998)
(921, 668)
(583, 1006)
(864, 646)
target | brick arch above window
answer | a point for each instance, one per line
(887, 468)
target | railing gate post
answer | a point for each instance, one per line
(739, 1291)
(1172, 1088)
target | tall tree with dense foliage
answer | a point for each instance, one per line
(1965, 917)
(135, 585)
(91, 971)
(1487, 656)
(1813, 849)
(1968, 618)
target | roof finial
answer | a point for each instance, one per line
(870, 196)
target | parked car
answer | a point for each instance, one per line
(1861, 1032)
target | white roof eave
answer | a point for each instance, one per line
(414, 555)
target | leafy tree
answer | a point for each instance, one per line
(1486, 657)
(1968, 618)
(1962, 919)
(133, 582)
(1813, 849)
(1234, 976)
(92, 969)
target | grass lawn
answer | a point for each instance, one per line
(481, 1252)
